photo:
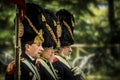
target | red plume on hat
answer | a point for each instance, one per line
(22, 6)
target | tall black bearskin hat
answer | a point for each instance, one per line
(66, 20)
(50, 39)
(33, 23)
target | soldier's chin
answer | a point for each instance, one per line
(69, 53)
(39, 54)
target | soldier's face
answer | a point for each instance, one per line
(48, 53)
(67, 50)
(34, 50)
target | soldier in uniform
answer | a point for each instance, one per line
(60, 62)
(46, 69)
(31, 45)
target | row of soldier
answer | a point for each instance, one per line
(45, 44)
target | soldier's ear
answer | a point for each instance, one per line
(27, 46)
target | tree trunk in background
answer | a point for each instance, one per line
(114, 34)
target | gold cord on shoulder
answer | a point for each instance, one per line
(68, 27)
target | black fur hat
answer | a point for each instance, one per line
(67, 24)
(50, 39)
(33, 24)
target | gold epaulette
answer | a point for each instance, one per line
(11, 68)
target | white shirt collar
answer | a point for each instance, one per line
(31, 57)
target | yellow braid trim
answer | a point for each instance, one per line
(69, 29)
(52, 33)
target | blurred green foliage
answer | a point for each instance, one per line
(93, 26)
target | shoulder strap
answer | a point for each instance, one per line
(63, 61)
(33, 69)
(47, 68)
